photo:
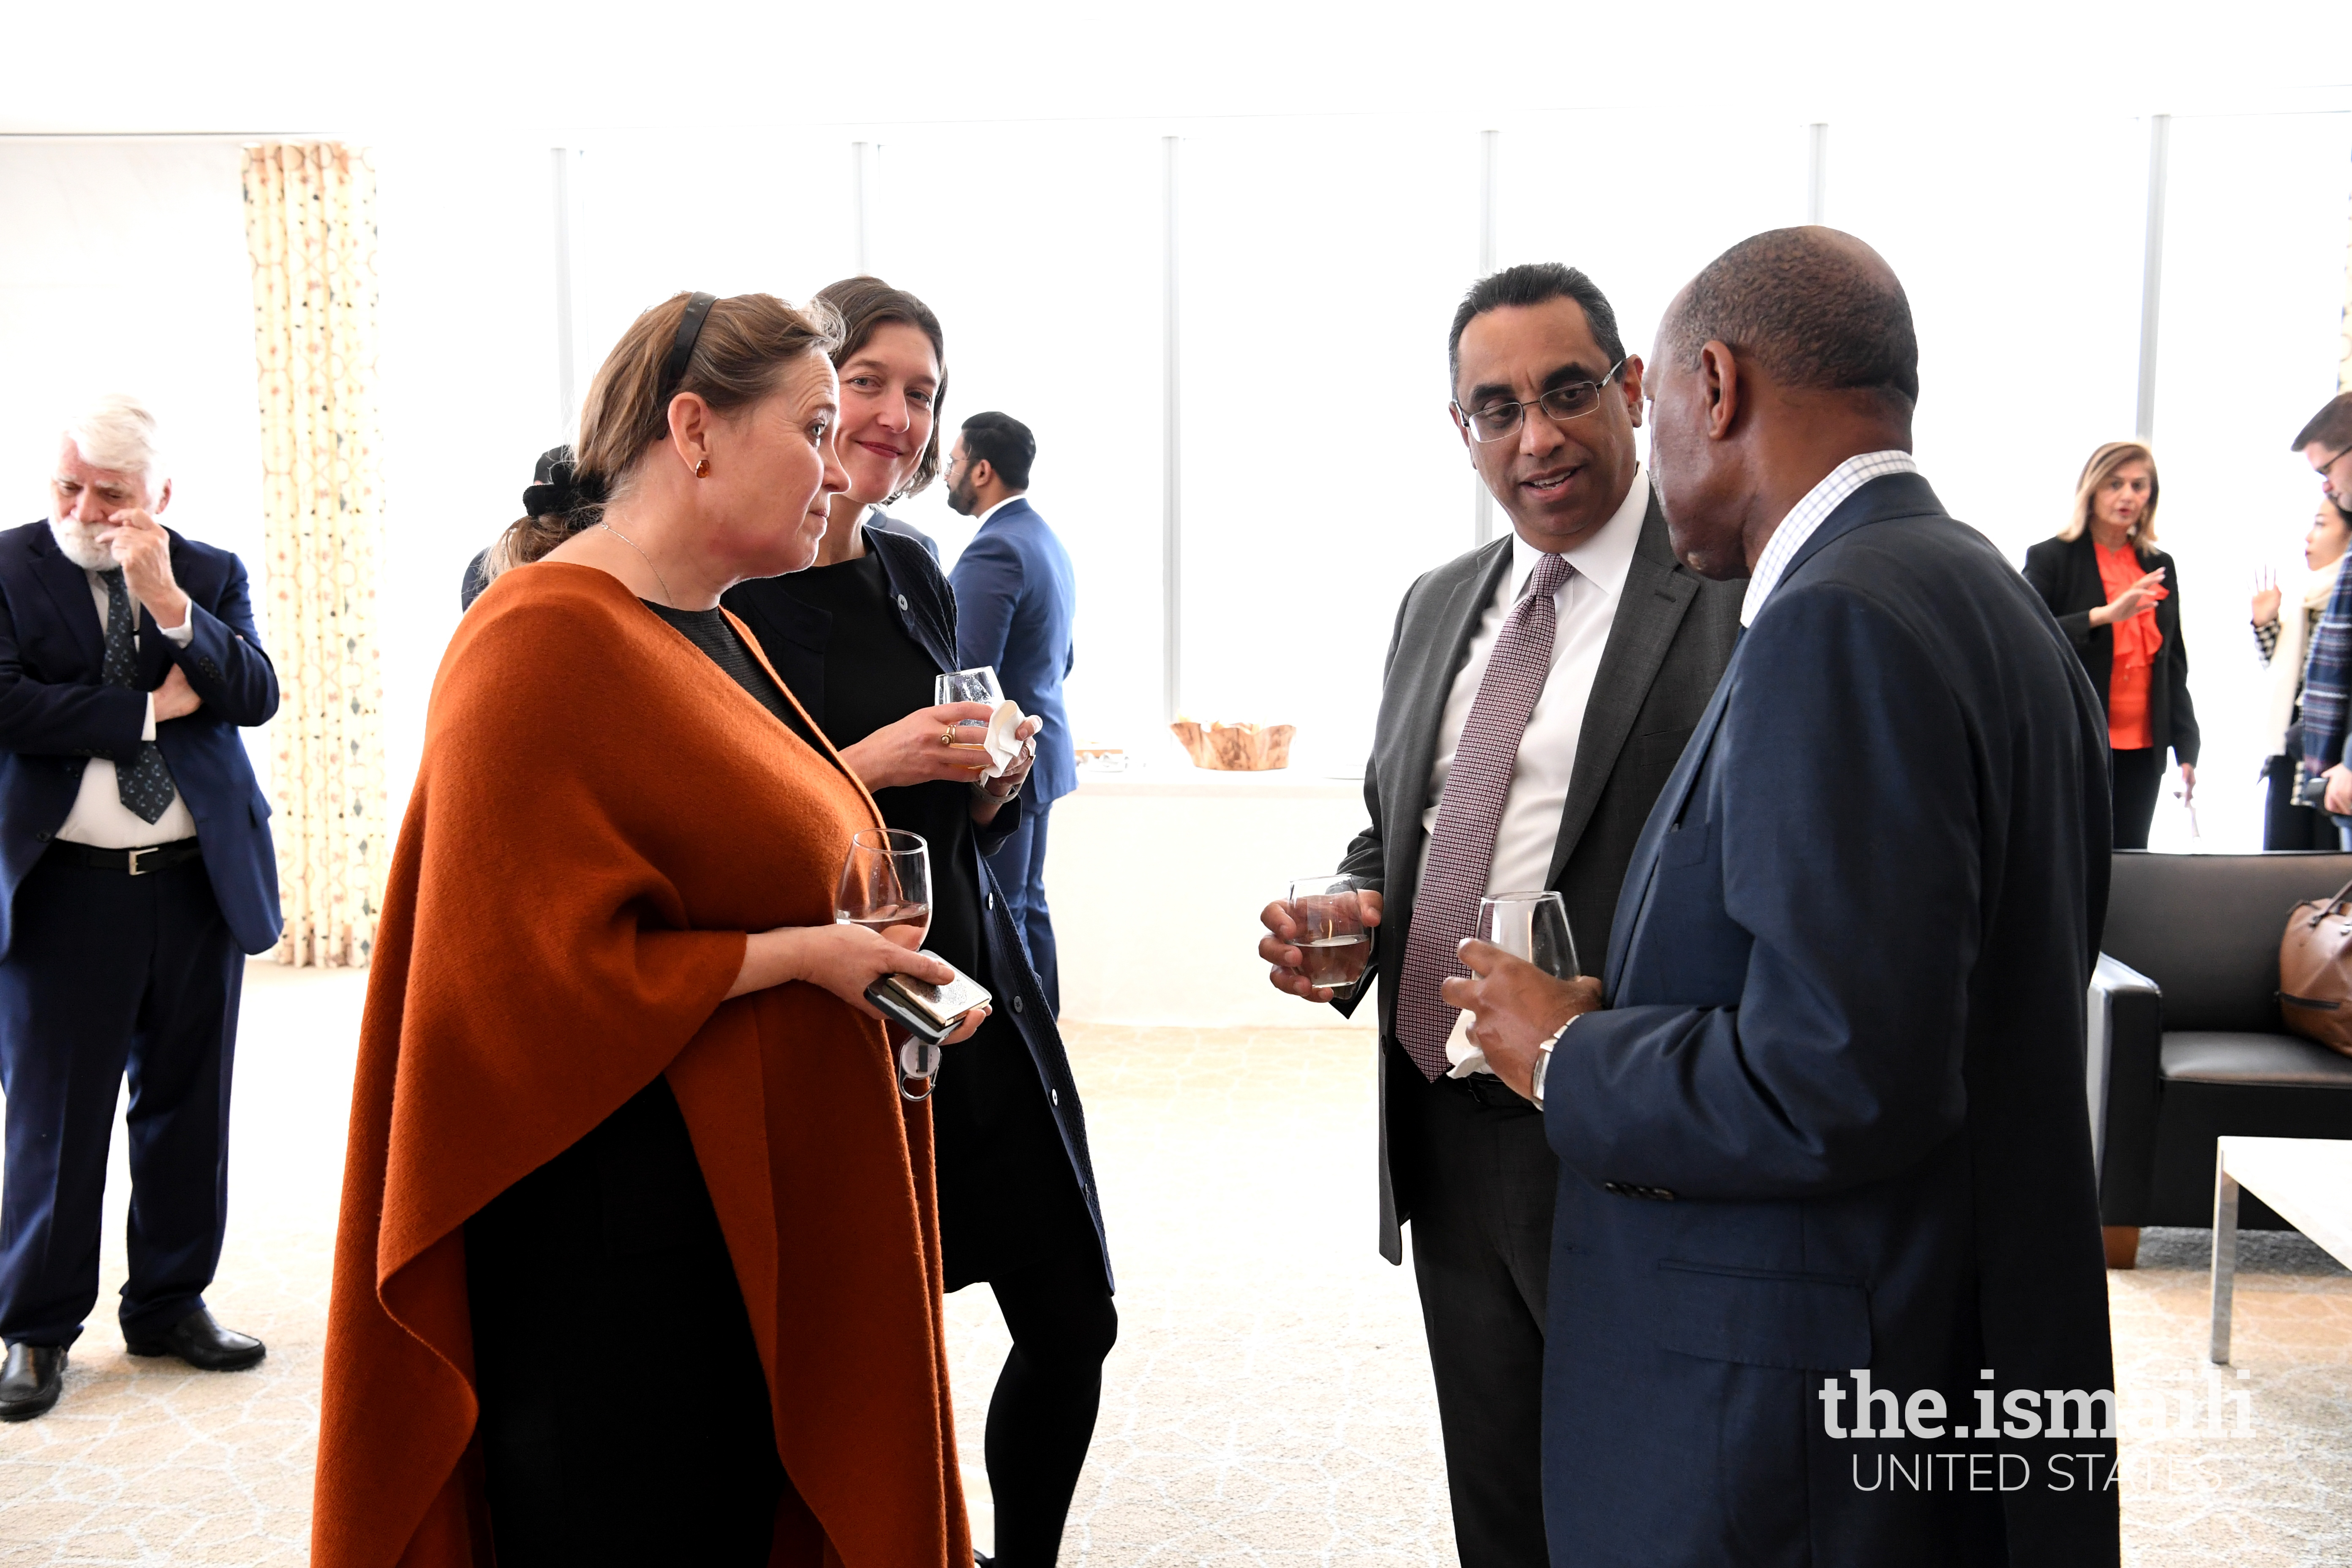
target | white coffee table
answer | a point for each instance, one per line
(2307, 1180)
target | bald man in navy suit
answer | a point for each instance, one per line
(1828, 1287)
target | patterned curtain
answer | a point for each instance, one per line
(309, 224)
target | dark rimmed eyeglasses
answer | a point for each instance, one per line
(1496, 421)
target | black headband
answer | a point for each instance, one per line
(681, 353)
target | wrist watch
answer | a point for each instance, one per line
(1543, 1062)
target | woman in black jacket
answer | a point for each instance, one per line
(2117, 597)
(860, 637)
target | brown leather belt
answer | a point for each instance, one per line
(132, 862)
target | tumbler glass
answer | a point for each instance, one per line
(1334, 944)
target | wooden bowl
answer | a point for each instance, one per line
(1235, 748)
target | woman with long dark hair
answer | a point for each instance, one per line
(861, 636)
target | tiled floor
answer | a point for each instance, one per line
(1268, 1403)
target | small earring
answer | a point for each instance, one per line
(702, 470)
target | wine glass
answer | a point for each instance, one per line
(1532, 926)
(1333, 943)
(886, 886)
(968, 686)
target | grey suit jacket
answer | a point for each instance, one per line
(1667, 649)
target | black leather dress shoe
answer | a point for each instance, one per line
(30, 1381)
(203, 1343)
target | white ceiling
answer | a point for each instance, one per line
(537, 71)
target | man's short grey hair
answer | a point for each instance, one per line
(117, 431)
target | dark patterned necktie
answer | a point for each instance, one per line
(145, 787)
(1462, 844)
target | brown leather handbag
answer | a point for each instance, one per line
(2315, 971)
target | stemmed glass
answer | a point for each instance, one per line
(886, 886)
(1532, 926)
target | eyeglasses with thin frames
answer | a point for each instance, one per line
(1499, 421)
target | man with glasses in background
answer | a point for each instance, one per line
(1538, 691)
(2325, 443)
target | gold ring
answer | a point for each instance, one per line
(947, 736)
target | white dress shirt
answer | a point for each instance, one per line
(981, 520)
(98, 817)
(1586, 606)
(1808, 515)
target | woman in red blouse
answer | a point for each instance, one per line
(2116, 597)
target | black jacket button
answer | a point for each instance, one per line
(902, 601)
(1017, 1004)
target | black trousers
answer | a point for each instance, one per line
(1481, 1207)
(625, 1415)
(1019, 867)
(111, 973)
(2135, 776)
(2287, 822)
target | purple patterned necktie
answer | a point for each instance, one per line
(1461, 846)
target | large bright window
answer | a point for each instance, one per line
(1040, 251)
(1320, 260)
(2253, 309)
(1321, 265)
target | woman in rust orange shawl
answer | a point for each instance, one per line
(638, 1259)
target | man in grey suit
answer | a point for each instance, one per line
(1536, 695)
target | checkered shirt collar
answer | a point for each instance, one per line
(1808, 515)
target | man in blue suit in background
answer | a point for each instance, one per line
(1015, 598)
(136, 872)
(1827, 1284)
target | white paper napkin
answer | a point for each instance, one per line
(1003, 742)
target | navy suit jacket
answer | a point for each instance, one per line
(794, 636)
(57, 712)
(1015, 598)
(1833, 1117)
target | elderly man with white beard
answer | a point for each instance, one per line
(136, 871)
